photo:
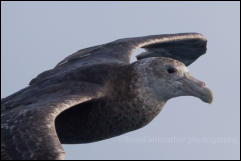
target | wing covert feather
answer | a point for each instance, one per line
(28, 131)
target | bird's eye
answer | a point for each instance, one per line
(171, 70)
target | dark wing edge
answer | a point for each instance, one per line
(28, 132)
(78, 54)
(185, 47)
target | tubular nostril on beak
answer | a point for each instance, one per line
(200, 83)
(203, 84)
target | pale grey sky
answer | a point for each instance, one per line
(35, 36)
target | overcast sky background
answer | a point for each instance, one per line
(35, 36)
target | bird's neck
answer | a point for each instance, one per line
(136, 96)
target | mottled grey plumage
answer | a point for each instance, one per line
(96, 93)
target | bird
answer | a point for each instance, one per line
(97, 93)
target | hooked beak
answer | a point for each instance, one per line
(196, 88)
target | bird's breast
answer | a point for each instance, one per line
(101, 119)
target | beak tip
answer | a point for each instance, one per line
(209, 98)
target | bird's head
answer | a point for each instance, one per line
(168, 78)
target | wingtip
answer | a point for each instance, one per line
(198, 35)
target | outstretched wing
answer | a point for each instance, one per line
(28, 130)
(185, 47)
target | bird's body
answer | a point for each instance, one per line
(97, 94)
(114, 114)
